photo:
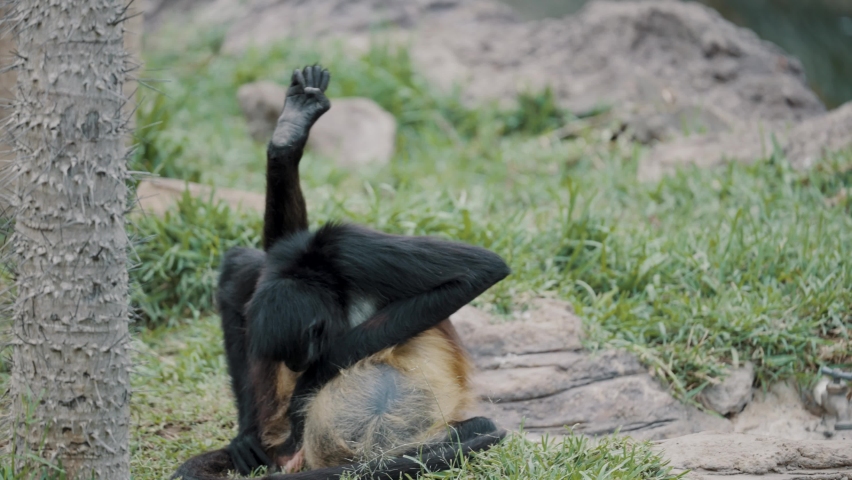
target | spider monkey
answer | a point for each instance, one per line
(338, 343)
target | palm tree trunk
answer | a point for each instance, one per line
(70, 381)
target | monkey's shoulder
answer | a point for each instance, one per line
(323, 255)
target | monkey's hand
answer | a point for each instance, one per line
(304, 105)
(310, 381)
(247, 454)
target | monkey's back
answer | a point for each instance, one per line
(389, 403)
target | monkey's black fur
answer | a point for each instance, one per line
(299, 303)
(312, 280)
(299, 311)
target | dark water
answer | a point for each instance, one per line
(817, 32)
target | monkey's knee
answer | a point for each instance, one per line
(239, 262)
(238, 275)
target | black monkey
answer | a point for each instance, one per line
(318, 303)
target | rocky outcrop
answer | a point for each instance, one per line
(534, 371)
(657, 62)
(653, 58)
(711, 454)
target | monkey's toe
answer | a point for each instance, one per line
(294, 463)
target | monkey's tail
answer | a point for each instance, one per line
(207, 466)
(431, 458)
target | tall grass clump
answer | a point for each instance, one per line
(178, 257)
(571, 457)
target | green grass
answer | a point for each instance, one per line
(572, 457)
(695, 273)
(177, 257)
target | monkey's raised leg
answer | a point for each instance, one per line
(304, 105)
(285, 214)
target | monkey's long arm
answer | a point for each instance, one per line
(422, 282)
(285, 205)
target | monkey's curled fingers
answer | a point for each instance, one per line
(304, 104)
(247, 454)
(311, 78)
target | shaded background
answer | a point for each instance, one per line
(818, 32)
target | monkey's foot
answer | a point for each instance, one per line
(304, 105)
(295, 463)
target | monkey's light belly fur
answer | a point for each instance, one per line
(397, 400)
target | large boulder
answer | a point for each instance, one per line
(355, 132)
(261, 104)
(645, 58)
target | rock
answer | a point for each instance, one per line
(534, 370)
(355, 132)
(268, 22)
(645, 58)
(157, 195)
(726, 454)
(812, 138)
(180, 13)
(652, 60)
(550, 327)
(731, 395)
(632, 404)
(802, 144)
(261, 104)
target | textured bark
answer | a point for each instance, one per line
(8, 78)
(70, 381)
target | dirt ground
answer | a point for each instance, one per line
(780, 413)
(775, 437)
